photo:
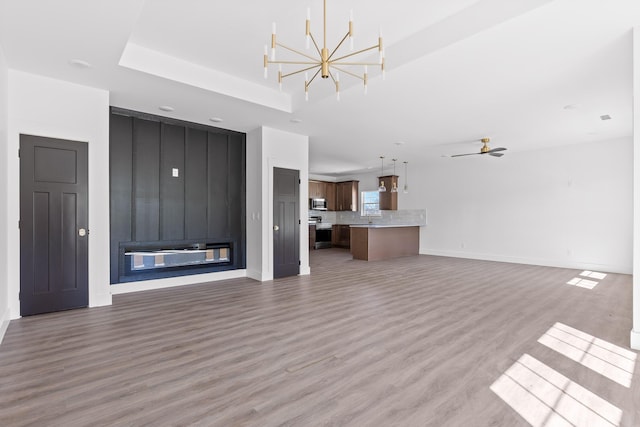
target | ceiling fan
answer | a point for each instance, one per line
(495, 152)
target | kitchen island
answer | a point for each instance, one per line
(374, 242)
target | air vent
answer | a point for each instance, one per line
(605, 117)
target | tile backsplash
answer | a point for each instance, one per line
(399, 217)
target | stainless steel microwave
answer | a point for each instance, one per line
(318, 204)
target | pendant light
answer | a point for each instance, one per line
(394, 186)
(382, 188)
(406, 179)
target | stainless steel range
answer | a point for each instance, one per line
(323, 232)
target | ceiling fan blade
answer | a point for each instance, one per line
(493, 150)
(468, 154)
(496, 154)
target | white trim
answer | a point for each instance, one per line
(4, 323)
(635, 340)
(578, 265)
(148, 285)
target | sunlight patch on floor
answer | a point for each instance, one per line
(544, 397)
(593, 274)
(582, 283)
(609, 360)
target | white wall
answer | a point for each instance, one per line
(635, 332)
(267, 149)
(4, 248)
(569, 206)
(47, 107)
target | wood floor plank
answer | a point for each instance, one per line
(409, 342)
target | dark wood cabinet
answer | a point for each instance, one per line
(331, 196)
(339, 196)
(341, 236)
(312, 237)
(389, 199)
(347, 196)
(317, 190)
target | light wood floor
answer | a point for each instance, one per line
(412, 342)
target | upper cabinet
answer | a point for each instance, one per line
(317, 190)
(331, 196)
(347, 196)
(340, 196)
(389, 199)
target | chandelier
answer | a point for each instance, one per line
(327, 64)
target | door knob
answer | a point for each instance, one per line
(82, 232)
(276, 228)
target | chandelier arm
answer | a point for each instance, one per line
(315, 44)
(339, 44)
(332, 77)
(334, 63)
(299, 71)
(297, 51)
(315, 64)
(357, 53)
(342, 70)
(314, 76)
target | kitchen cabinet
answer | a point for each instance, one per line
(341, 236)
(317, 190)
(330, 188)
(312, 236)
(347, 196)
(388, 199)
(374, 243)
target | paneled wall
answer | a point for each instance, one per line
(175, 183)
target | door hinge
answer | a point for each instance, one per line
(299, 262)
(18, 152)
(299, 222)
(19, 224)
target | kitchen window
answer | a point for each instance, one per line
(370, 203)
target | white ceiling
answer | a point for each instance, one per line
(457, 70)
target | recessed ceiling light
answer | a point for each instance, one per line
(605, 117)
(79, 63)
(216, 119)
(399, 143)
(166, 108)
(571, 106)
(296, 121)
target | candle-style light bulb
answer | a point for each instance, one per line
(308, 29)
(351, 29)
(273, 41)
(266, 61)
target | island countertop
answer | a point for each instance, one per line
(383, 225)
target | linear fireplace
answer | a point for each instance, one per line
(141, 261)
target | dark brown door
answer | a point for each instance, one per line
(53, 225)
(286, 222)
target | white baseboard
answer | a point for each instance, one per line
(578, 265)
(635, 340)
(4, 323)
(305, 270)
(259, 275)
(147, 285)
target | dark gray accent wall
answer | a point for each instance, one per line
(204, 203)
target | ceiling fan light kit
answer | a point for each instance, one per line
(495, 152)
(325, 64)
